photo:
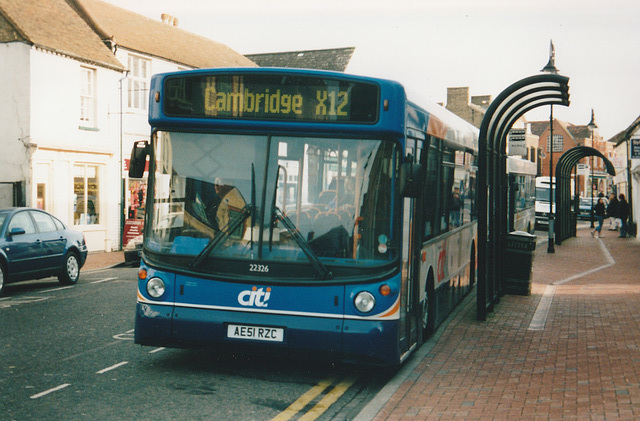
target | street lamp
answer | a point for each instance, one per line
(591, 188)
(592, 127)
(631, 226)
(551, 68)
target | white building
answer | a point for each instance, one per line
(628, 167)
(75, 75)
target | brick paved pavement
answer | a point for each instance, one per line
(580, 362)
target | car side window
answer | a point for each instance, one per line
(22, 220)
(43, 222)
(59, 225)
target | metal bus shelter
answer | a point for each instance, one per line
(522, 96)
(566, 220)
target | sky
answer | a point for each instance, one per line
(429, 45)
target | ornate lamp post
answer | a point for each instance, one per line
(592, 127)
(631, 225)
(551, 68)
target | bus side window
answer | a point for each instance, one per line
(470, 196)
(430, 161)
(447, 193)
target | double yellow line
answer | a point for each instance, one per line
(330, 397)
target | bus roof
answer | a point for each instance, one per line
(517, 165)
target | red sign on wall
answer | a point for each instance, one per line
(132, 229)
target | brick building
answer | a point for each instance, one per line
(473, 110)
(567, 136)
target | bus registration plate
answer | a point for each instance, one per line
(259, 333)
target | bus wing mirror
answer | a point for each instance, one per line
(138, 160)
(410, 179)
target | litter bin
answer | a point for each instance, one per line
(519, 247)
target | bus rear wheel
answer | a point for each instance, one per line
(428, 319)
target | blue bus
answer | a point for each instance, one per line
(304, 211)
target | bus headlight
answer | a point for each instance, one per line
(155, 287)
(364, 302)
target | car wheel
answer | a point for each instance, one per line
(1, 278)
(70, 270)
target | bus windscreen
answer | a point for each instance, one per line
(271, 97)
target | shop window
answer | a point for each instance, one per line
(86, 188)
(41, 200)
(137, 195)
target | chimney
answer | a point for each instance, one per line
(168, 19)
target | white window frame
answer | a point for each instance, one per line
(558, 143)
(139, 79)
(88, 82)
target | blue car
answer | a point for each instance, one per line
(35, 244)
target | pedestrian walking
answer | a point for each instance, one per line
(600, 212)
(612, 212)
(623, 214)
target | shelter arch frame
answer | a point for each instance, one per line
(565, 225)
(519, 98)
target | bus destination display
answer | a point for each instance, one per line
(271, 97)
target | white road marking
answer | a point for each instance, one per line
(153, 351)
(127, 336)
(16, 301)
(46, 392)
(113, 367)
(44, 291)
(104, 280)
(542, 311)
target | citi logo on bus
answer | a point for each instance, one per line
(256, 297)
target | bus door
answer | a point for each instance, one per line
(409, 302)
(409, 308)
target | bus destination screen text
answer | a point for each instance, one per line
(271, 98)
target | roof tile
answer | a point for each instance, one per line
(153, 37)
(336, 59)
(53, 25)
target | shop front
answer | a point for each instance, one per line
(75, 187)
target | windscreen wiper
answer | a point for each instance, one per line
(272, 221)
(253, 202)
(233, 225)
(320, 268)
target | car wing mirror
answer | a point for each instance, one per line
(16, 231)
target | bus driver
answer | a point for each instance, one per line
(231, 202)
